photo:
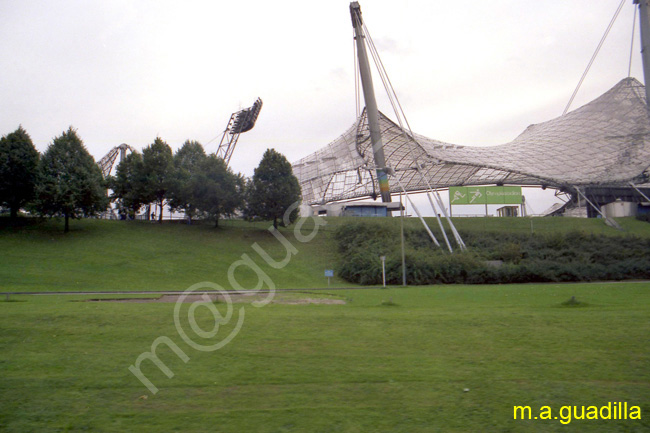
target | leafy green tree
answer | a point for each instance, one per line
(158, 169)
(18, 170)
(71, 182)
(273, 188)
(185, 181)
(129, 184)
(219, 191)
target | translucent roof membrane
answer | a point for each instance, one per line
(605, 142)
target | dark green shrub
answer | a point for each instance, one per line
(539, 258)
(644, 217)
(511, 252)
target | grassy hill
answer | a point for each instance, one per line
(134, 255)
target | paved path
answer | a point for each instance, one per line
(178, 292)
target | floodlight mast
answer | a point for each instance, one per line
(371, 103)
(107, 162)
(240, 121)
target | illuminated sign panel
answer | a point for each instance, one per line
(485, 195)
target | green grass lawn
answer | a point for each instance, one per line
(394, 360)
(360, 367)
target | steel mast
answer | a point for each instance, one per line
(644, 21)
(371, 103)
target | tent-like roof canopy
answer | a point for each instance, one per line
(606, 142)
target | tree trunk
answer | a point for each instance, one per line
(161, 211)
(67, 223)
(216, 222)
(275, 222)
(14, 213)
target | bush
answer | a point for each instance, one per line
(539, 258)
(644, 217)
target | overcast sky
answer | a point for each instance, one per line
(128, 71)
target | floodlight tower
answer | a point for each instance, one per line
(107, 162)
(371, 103)
(240, 121)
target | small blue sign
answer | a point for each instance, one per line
(329, 273)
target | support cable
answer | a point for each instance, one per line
(410, 138)
(213, 139)
(639, 191)
(442, 229)
(591, 62)
(424, 223)
(388, 86)
(629, 69)
(608, 221)
(430, 193)
(357, 98)
(430, 196)
(441, 204)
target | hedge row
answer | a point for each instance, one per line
(519, 258)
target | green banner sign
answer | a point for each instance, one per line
(485, 195)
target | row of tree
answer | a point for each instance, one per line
(188, 181)
(66, 181)
(203, 185)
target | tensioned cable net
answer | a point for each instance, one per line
(605, 142)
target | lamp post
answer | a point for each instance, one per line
(401, 224)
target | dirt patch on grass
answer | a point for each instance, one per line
(238, 298)
(303, 301)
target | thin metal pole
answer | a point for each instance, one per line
(459, 239)
(639, 191)
(442, 229)
(580, 205)
(441, 204)
(608, 220)
(401, 209)
(417, 211)
(435, 212)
